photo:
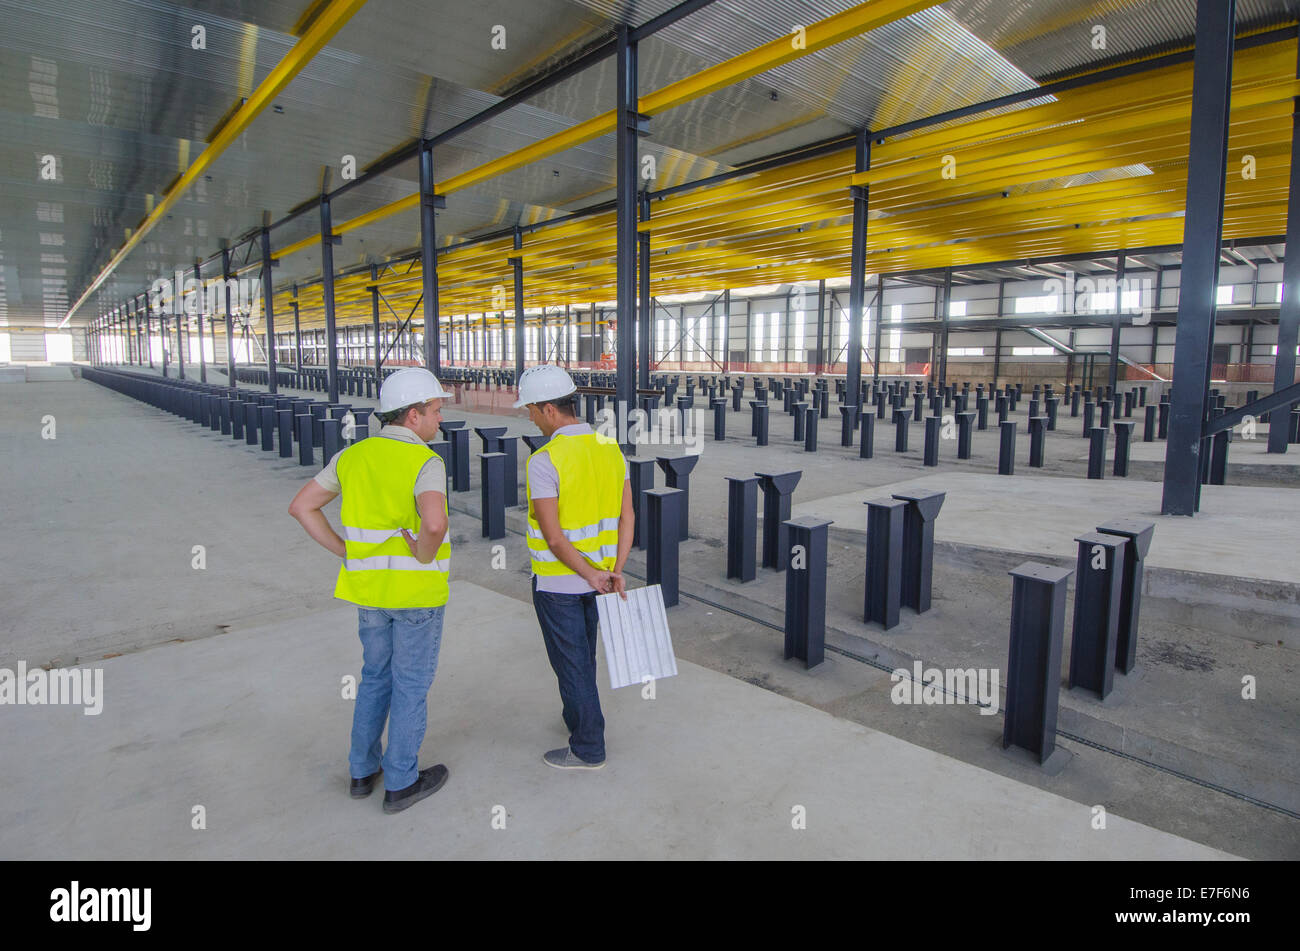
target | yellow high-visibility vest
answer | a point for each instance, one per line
(592, 471)
(378, 478)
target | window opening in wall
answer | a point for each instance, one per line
(894, 342)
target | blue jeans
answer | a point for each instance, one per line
(400, 655)
(568, 624)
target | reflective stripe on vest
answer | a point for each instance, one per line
(378, 479)
(591, 472)
(394, 563)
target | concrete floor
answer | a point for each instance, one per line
(251, 726)
(261, 571)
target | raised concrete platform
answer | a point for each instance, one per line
(1243, 452)
(50, 374)
(1244, 532)
(252, 727)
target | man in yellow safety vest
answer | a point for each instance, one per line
(580, 522)
(396, 562)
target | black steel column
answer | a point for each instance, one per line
(230, 321)
(645, 306)
(1097, 452)
(517, 267)
(458, 439)
(726, 332)
(1288, 322)
(148, 331)
(1113, 378)
(777, 490)
(918, 547)
(884, 572)
(821, 326)
(493, 506)
(1139, 536)
(661, 554)
(1007, 447)
(297, 337)
(742, 527)
(1123, 438)
(880, 309)
(997, 344)
(182, 331)
(374, 317)
(198, 279)
(641, 473)
(858, 273)
(677, 474)
(964, 424)
(947, 301)
(1037, 438)
(805, 591)
(212, 335)
(931, 452)
(327, 242)
(268, 309)
(625, 229)
(1098, 595)
(429, 203)
(1034, 657)
(1202, 233)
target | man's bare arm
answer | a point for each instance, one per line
(433, 527)
(306, 508)
(626, 525)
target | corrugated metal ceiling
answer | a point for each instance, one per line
(114, 90)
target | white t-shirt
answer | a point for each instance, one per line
(432, 477)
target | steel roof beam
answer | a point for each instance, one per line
(652, 26)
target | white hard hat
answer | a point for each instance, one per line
(543, 382)
(409, 386)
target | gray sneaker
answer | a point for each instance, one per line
(564, 758)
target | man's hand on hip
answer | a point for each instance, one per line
(411, 543)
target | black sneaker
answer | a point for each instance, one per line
(430, 781)
(361, 788)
